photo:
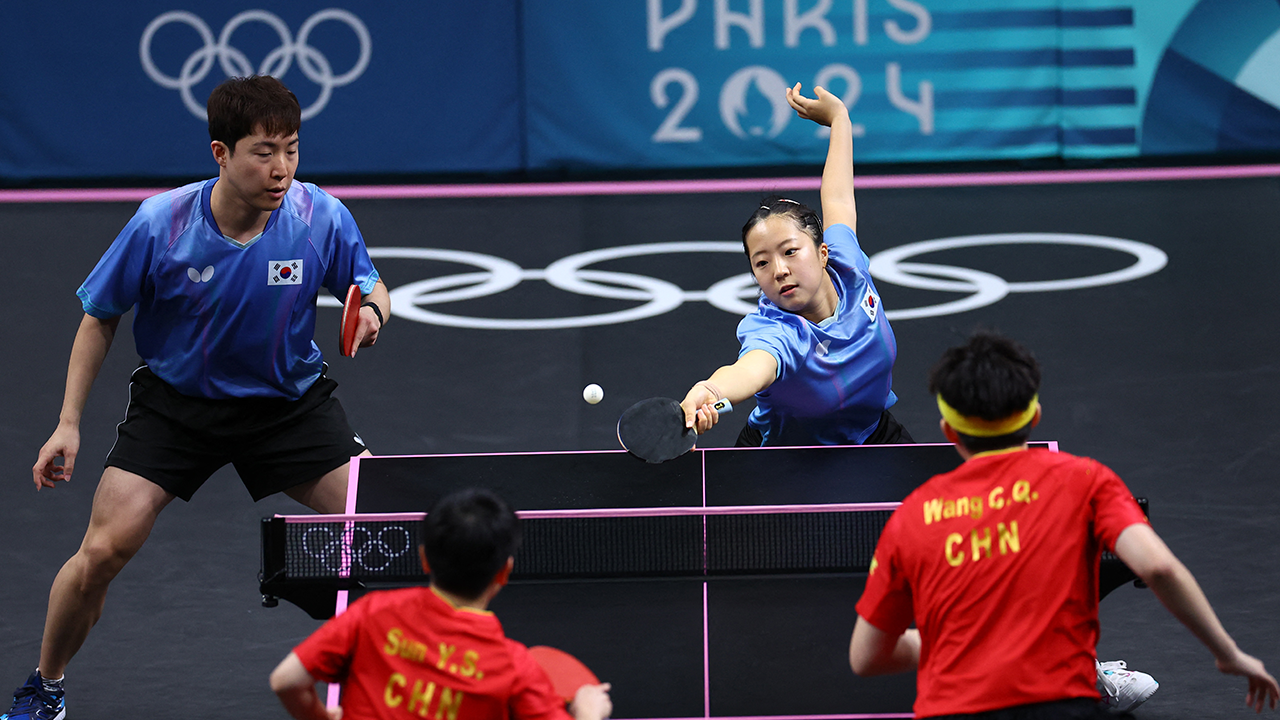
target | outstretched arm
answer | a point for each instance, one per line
(754, 371)
(92, 342)
(837, 175)
(1150, 559)
(297, 691)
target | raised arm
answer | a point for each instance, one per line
(837, 175)
(753, 372)
(1150, 559)
(92, 342)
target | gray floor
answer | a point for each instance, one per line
(1171, 379)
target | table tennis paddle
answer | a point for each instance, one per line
(567, 672)
(653, 429)
(350, 320)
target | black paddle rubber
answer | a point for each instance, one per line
(653, 430)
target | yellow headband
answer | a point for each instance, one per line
(977, 427)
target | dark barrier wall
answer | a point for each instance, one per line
(117, 89)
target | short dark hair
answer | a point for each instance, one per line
(468, 537)
(801, 214)
(989, 377)
(241, 105)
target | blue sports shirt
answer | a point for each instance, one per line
(835, 378)
(217, 319)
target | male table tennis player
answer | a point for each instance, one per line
(996, 562)
(434, 651)
(224, 275)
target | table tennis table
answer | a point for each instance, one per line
(719, 584)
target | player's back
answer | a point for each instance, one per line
(1002, 559)
(413, 653)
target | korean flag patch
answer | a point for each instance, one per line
(284, 272)
(870, 304)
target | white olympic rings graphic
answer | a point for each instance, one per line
(355, 547)
(236, 64)
(736, 294)
(887, 266)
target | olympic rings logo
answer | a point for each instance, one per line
(736, 294)
(236, 64)
(985, 288)
(356, 548)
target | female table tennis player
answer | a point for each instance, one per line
(818, 352)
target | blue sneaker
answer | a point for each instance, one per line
(33, 702)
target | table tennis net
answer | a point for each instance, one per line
(595, 544)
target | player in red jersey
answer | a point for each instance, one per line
(996, 562)
(434, 651)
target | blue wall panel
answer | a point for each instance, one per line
(506, 86)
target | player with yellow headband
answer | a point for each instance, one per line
(996, 562)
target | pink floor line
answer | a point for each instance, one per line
(704, 527)
(515, 453)
(353, 484)
(620, 451)
(659, 187)
(706, 655)
(841, 716)
(672, 511)
(334, 695)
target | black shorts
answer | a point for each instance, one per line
(177, 441)
(888, 432)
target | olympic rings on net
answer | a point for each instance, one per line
(356, 548)
(235, 63)
(735, 294)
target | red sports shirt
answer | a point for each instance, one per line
(997, 564)
(412, 653)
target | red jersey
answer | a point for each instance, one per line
(997, 564)
(412, 653)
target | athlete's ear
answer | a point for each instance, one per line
(422, 555)
(822, 253)
(948, 432)
(221, 153)
(953, 437)
(1035, 420)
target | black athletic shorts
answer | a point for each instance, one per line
(177, 441)
(1073, 709)
(888, 432)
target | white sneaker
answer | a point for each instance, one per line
(1123, 689)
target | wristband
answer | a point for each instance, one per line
(376, 311)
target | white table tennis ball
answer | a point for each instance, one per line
(593, 393)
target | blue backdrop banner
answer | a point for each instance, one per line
(700, 82)
(691, 83)
(118, 89)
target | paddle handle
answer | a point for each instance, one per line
(722, 406)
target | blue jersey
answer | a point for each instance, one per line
(219, 319)
(835, 378)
